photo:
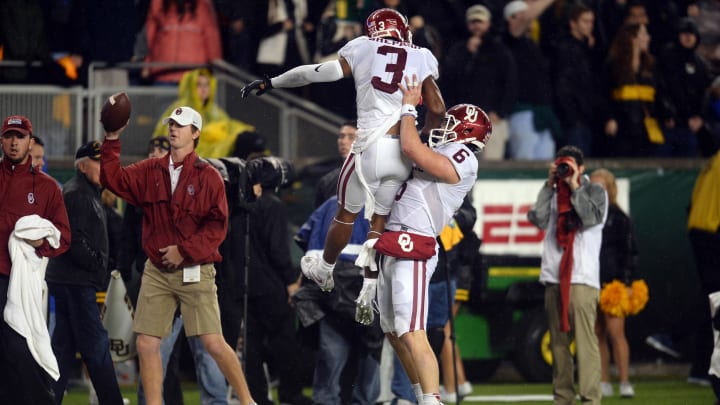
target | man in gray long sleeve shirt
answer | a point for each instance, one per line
(571, 211)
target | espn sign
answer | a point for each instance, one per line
(502, 207)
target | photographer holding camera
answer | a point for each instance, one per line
(572, 212)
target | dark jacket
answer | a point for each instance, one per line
(116, 232)
(313, 304)
(577, 92)
(270, 269)
(487, 78)
(86, 262)
(23, 35)
(686, 77)
(326, 187)
(630, 113)
(132, 254)
(338, 305)
(108, 36)
(533, 73)
(618, 254)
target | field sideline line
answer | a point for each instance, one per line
(508, 398)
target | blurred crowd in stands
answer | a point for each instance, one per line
(618, 78)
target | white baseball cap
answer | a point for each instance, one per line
(513, 7)
(185, 116)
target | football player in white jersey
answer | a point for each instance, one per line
(375, 168)
(443, 174)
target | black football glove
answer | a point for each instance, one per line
(261, 85)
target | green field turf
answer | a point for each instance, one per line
(656, 391)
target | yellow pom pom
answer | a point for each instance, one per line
(614, 299)
(638, 297)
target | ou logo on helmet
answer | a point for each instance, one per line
(405, 242)
(471, 114)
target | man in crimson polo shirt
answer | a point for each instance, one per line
(185, 217)
(24, 190)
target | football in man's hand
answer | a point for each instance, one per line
(115, 112)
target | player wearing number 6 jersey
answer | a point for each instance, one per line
(375, 168)
(443, 174)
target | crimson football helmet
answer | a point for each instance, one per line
(387, 22)
(463, 123)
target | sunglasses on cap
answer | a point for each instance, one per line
(162, 143)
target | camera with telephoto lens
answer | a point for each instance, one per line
(240, 175)
(563, 168)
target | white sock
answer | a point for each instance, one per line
(326, 266)
(417, 389)
(430, 399)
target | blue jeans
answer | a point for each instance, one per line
(437, 318)
(524, 142)
(400, 385)
(332, 355)
(213, 388)
(438, 314)
(78, 329)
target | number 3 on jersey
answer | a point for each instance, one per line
(396, 69)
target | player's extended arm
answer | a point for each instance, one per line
(434, 103)
(300, 76)
(427, 159)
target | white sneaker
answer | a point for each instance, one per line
(449, 397)
(430, 399)
(312, 269)
(626, 390)
(701, 381)
(606, 389)
(465, 389)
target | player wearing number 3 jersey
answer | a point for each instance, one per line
(375, 168)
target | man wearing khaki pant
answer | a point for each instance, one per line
(572, 212)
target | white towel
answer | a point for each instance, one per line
(24, 310)
(714, 299)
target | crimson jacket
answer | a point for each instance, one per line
(195, 217)
(27, 191)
